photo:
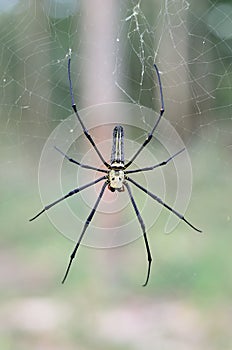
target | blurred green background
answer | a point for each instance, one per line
(187, 304)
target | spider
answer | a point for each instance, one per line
(116, 176)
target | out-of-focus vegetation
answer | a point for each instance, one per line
(187, 304)
(103, 305)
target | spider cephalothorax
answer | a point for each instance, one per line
(116, 174)
(116, 178)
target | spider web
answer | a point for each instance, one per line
(113, 52)
(114, 45)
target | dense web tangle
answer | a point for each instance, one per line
(192, 51)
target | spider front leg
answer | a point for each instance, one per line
(149, 257)
(87, 222)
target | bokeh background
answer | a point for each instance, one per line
(187, 304)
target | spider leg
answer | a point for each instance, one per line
(149, 257)
(159, 200)
(74, 107)
(150, 135)
(155, 166)
(87, 222)
(71, 193)
(78, 163)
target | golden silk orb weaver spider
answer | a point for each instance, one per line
(116, 174)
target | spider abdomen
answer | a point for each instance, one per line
(117, 154)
